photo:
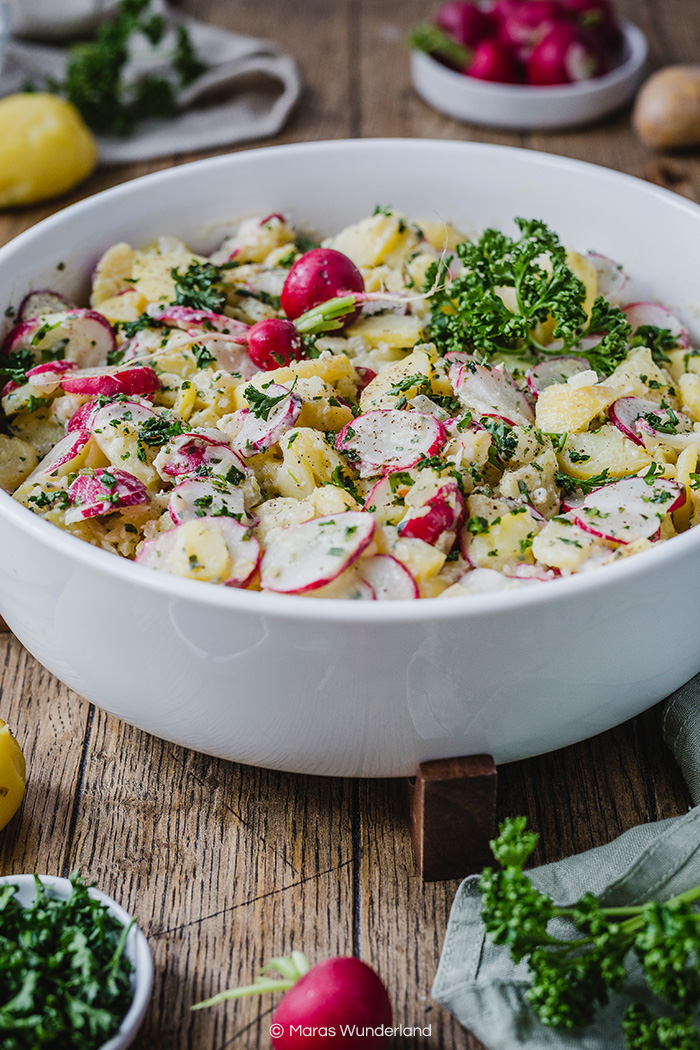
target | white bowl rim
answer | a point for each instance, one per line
(139, 953)
(637, 48)
(298, 607)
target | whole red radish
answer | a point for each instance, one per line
(339, 1003)
(344, 995)
(598, 17)
(566, 55)
(466, 22)
(273, 343)
(502, 8)
(529, 23)
(491, 60)
(320, 275)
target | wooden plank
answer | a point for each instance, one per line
(226, 866)
(50, 723)
(400, 919)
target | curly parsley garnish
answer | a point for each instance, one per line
(571, 976)
(94, 78)
(468, 313)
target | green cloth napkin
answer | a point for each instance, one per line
(486, 992)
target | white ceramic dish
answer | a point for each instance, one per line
(523, 108)
(360, 688)
(136, 949)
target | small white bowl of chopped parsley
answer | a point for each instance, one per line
(75, 971)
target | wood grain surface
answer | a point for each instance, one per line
(227, 865)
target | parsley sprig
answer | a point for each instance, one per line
(468, 313)
(94, 78)
(64, 978)
(570, 977)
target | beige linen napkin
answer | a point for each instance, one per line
(247, 93)
(476, 979)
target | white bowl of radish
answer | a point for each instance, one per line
(523, 107)
(346, 687)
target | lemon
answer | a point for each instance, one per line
(45, 148)
(12, 775)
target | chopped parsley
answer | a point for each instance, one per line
(202, 356)
(16, 365)
(199, 287)
(585, 485)
(658, 340)
(48, 500)
(158, 430)
(65, 977)
(130, 328)
(477, 526)
(505, 441)
(261, 404)
(343, 481)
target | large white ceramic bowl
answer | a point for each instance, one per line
(360, 688)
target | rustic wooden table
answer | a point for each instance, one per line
(227, 865)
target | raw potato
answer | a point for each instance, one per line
(45, 148)
(666, 114)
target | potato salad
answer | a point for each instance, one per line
(397, 412)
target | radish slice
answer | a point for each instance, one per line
(67, 455)
(386, 500)
(102, 492)
(438, 519)
(43, 302)
(256, 434)
(83, 336)
(136, 413)
(199, 455)
(524, 571)
(306, 556)
(349, 586)
(107, 381)
(199, 322)
(491, 391)
(82, 419)
(174, 551)
(554, 370)
(200, 498)
(388, 439)
(634, 417)
(49, 376)
(365, 376)
(629, 509)
(610, 277)
(388, 577)
(639, 314)
(626, 412)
